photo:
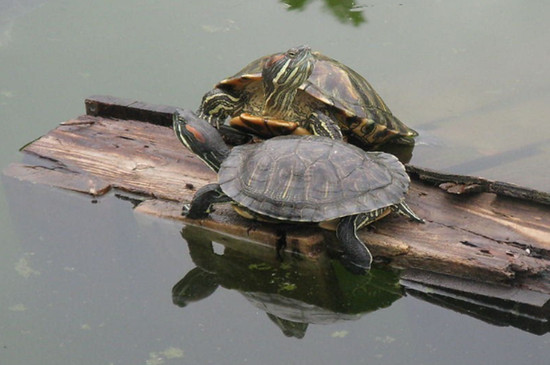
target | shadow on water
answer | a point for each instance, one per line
(506, 157)
(346, 11)
(296, 291)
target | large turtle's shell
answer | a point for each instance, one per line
(311, 178)
(331, 83)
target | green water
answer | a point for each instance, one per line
(91, 283)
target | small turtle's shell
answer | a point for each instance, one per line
(311, 178)
(333, 85)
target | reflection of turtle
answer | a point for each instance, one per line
(293, 293)
(299, 179)
(275, 94)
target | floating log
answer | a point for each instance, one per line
(500, 233)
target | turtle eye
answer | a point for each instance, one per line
(292, 53)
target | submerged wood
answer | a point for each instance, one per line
(484, 236)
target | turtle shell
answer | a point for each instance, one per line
(311, 178)
(333, 85)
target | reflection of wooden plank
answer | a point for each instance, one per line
(495, 303)
(490, 291)
(483, 236)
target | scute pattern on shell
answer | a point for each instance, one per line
(338, 85)
(311, 179)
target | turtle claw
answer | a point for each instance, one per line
(354, 267)
(185, 210)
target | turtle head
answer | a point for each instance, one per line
(200, 137)
(282, 74)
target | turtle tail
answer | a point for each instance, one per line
(403, 208)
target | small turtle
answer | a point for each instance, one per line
(299, 179)
(304, 92)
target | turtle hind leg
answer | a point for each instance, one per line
(356, 257)
(403, 208)
(202, 202)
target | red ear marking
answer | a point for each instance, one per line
(274, 59)
(196, 133)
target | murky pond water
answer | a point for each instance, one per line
(92, 282)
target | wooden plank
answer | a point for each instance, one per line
(112, 107)
(460, 184)
(59, 177)
(483, 237)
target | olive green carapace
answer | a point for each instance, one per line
(311, 179)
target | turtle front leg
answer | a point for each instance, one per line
(356, 257)
(202, 202)
(217, 105)
(321, 124)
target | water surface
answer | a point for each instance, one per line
(92, 282)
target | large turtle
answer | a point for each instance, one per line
(298, 179)
(304, 92)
